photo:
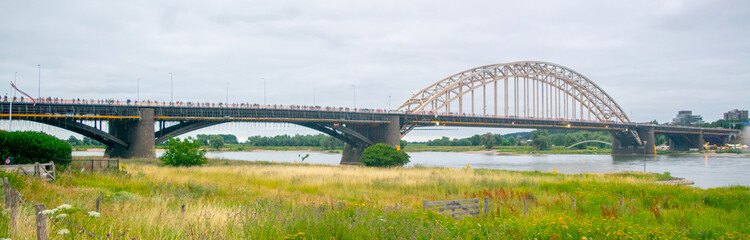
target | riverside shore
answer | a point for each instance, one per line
(263, 200)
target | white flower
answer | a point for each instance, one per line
(63, 231)
(47, 212)
(62, 216)
(94, 214)
(64, 206)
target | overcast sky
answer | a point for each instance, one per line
(653, 57)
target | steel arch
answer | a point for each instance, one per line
(570, 82)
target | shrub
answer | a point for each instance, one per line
(183, 153)
(30, 147)
(383, 155)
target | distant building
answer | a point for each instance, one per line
(686, 118)
(736, 115)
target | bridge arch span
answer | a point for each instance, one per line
(530, 89)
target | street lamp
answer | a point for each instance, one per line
(264, 91)
(227, 94)
(389, 102)
(138, 90)
(10, 109)
(314, 89)
(39, 91)
(354, 93)
(171, 88)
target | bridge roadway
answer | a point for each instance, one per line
(134, 129)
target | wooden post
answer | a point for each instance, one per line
(13, 210)
(524, 208)
(183, 211)
(486, 205)
(98, 203)
(424, 205)
(622, 202)
(41, 222)
(574, 204)
(92, 165)
(6, 191)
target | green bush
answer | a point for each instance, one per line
(383, 155)
(183, 153)
(31, 147)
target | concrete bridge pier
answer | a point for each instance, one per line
(685, 142)
(389, 133)
(627, 143)
(139, 134)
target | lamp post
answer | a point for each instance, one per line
(39, 90)
(227, 94)
(10, 109)
(314, 89)
(138, 90)
(171, 88)
(264, 91)
(354, 94)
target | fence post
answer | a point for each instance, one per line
(41, 222)
(13, 210)
(98, 203)
(92, 165)
(524, 207)
(6, 191)
(183, 212)
(574, 204)
(486, 205)
(424, 205)
(622, 202)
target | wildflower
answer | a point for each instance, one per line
(47, 212)
(63, 231)
(63, 215)
(94, 214)
(64, 206)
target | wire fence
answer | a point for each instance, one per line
(95, 165)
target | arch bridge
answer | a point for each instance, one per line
(528, 94)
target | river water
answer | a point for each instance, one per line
(706, 171)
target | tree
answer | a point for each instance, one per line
(540, 140)
(403, 144)
(31, 147)
(512, 141)
(383, 155)
(73, 141)
(500, 140)
(203, 139)
(216, 141)
(183, 153)
(229, 138)
(487, 140)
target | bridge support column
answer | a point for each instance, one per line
(686, 142)
(627, 144)
(389, 133)
(139, 135)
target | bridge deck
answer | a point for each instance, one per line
(298, 114)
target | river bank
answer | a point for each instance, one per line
(263, 200)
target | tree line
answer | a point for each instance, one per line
(539, 139)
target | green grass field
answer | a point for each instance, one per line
(260, 200)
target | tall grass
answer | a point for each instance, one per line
(261, 200)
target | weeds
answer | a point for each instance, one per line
(261, 200)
